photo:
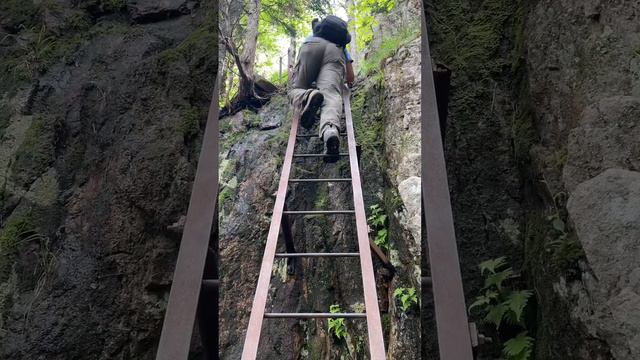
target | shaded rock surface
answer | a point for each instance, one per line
(568, 73)
(151, 10)
(606, 213)
(402, 147)
(474, 40)
(606, 137)
(107, 129)
(586, 118)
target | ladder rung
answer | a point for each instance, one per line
(319, 155)
(321, 180)
(317, 212)
(288, 255)
(315, 135)
(315, 315)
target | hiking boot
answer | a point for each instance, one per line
(331, 138)
(308, 116)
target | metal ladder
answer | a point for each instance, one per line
(280, 220)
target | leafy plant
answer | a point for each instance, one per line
(407, 297)
(337, 325)
(564, 247)
(377, 222)
(518, 348)
(501, 304)
(35, 55)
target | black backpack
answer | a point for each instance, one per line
(333, 29)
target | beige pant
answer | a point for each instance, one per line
(323, 62)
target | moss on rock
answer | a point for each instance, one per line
(36, 152)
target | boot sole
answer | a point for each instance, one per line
(333, 149)
(309, 113)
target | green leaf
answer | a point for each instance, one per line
(496, 279)
(558, 224)
(398, 292)
(480, 301)
(517, 302)
(496, 314)
(492, 265)
(518, 348)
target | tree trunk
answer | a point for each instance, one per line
(291, 61)
(222, 71)
(248, 56)
(353, 48)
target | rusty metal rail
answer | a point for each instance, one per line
(280, 216)
(187, 282)
(454, 338)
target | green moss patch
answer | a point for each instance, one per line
(36, 153)
(15, 230)
(18, 13)
(200, 46)
(372, 65)
(5, 117)
(189, 123)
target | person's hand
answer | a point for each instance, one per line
(351, 77)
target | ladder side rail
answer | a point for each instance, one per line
(179, 320)
(454, 340)
(374, 324)
(252, 337)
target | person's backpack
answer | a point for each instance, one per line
(333, 29)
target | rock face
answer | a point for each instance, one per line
(537, 113)
(105, 137)
(587, 121)
(150, 10)
(568, 73)
(606, 137)
(585, 93)
(606, 213)
(402, 126)
(487, 190)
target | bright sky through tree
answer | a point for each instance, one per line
(269, 62)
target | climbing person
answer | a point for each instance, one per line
(319, 78)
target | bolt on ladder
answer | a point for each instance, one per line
(372, 313)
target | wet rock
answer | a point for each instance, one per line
(606, 213)
(606, 137)
(272, 116)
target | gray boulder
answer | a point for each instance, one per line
(606, 214)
